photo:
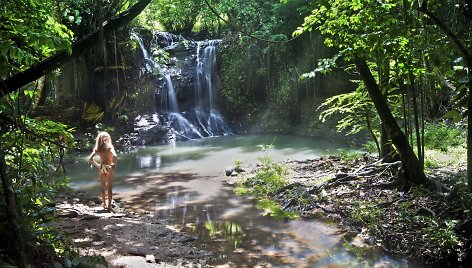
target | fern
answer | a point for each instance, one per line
(352, 107)
(92, 113)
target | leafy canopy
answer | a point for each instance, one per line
(29, 32)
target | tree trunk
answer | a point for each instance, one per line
(12, 214)
(369, 127)
(465, 51)
(36, 71)
(386, 148)
(469, 132)
(410, 162)
(417, 119)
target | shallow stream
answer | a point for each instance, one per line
(186, 183)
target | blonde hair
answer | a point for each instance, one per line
(103, 141)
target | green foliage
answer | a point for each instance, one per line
(172, 16)
(238, 82)
(365, 214)
(435, 233)
(260, 79)
(227, 230)
(325, 66)
(34, 152)
(404, 53)
(369, 147)
(82, 16)
(268, 180)
(353, 108)
(92, 113)
(445, 145)
(442, 137)
(238, 163)
(349, 154)
(29, 32)
(271, 208)
(34, 155)
(442, 235)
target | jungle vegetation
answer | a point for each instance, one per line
(398, 70)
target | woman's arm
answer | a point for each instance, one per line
(115, 158)
(92, 160)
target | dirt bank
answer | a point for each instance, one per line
(126, 238)
(363, 196)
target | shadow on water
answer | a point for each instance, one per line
(185, 184)
(233, 229)
(228, 225)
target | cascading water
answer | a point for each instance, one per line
(190, 66)
(169, 98)
(210, 121)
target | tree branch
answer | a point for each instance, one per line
(36, 71)
(457, 42)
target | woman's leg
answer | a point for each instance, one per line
(110, 178)
(102, 188)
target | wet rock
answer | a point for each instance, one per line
(90, 217)
(154, 135)
(229, 171)
(68, 213)
(233, 171)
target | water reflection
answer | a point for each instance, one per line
(225, 230)
(149, 161)
(186, 184)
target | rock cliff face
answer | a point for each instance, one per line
(186, 74)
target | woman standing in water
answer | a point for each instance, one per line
(106, 169)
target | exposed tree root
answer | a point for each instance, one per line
(366, 194)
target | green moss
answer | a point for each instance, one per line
(267, 181)
(273, 209)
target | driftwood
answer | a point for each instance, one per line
(375, 169)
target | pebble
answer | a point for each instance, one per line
(150, 259)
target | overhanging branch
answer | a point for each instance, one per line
(453, 37)
(36, 71)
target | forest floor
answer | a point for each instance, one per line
(125, 238)
(362, 196)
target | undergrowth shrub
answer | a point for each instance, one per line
(442, 137)
(269, 179)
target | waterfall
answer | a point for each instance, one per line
(149, 62)
(206, 112)
(205, 72)
(190, 70)
(169, 98)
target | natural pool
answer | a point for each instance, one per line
(185, 182)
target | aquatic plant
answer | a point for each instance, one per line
(266, 182)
